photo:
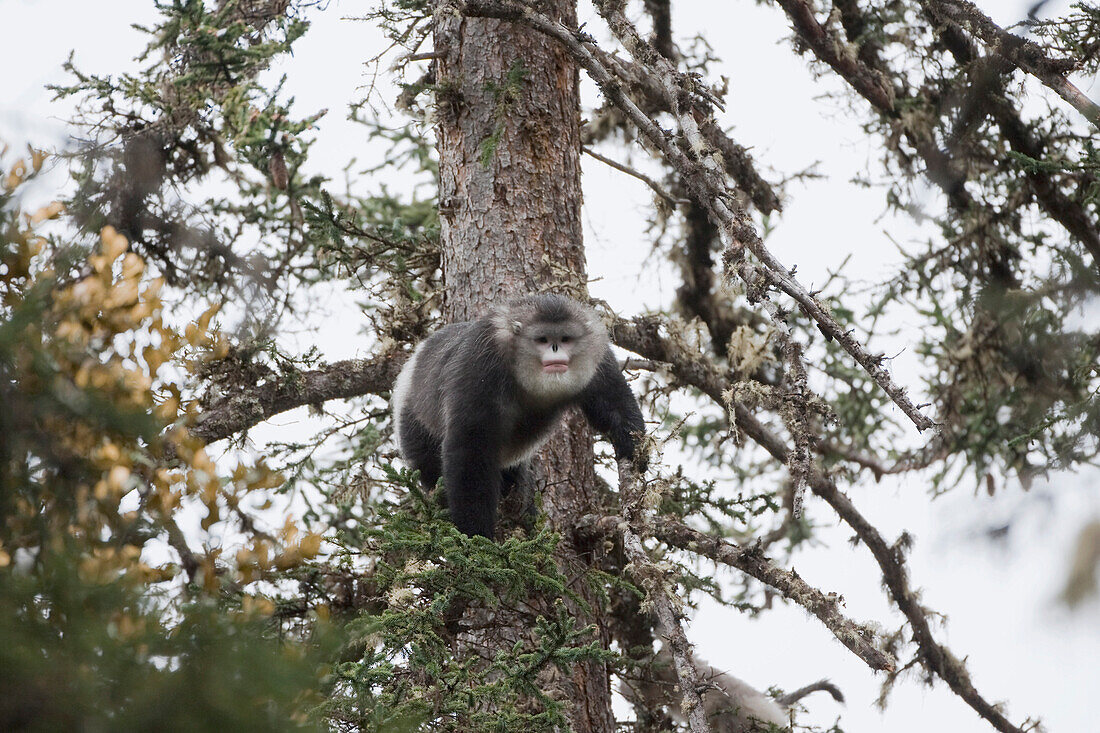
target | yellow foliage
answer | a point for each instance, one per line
(288, 558)
(117, 478)
(157, 575)
(168, 409)
(289, 532)
(310, 545)
(257, 606)
(201, 461)
(213, 516)
(89, 291)
(49, 211)
(113, 244)
(203, 321)
(133, 267)
(124, 626)
(193, 334)
(105, 337)
(109, 453)
(154, 357)
(208, 572)
(38, 157)
(124, 292)
(152, 295)
(16, 176)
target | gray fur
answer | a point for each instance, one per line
(418, 389)
(481, 397)
(732, 705)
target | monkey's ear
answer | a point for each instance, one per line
(516, 326)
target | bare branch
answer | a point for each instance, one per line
(891, 561)
(825, 606)
(754, 563)
(1025, 55)
(342, 380)
(643, 339)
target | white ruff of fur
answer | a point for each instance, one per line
(547, 387)
(400, 394)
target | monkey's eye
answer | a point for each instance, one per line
(541, 340)
(566, 339)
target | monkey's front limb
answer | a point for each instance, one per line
(471, 477)
(611, 408)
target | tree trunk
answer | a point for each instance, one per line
(510, 201)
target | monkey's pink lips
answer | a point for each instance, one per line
(555, 367)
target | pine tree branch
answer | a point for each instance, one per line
(754, 563)
(868, 71)
(869, 82)
(341, 380)
(1024, 54)
(642, 338)
(1067, 212)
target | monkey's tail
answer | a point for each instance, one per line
(821, 685)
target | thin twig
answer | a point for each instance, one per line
(637, 174)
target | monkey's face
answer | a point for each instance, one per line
(554, 349)
(554, 359)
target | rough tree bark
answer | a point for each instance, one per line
(509, 149)
(510, 199)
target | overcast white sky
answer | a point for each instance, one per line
(1022, 647)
